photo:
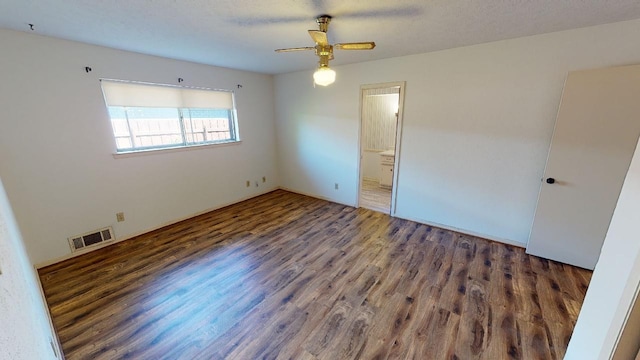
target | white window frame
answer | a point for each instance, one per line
(139, 95)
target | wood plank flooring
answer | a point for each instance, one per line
(285, 276)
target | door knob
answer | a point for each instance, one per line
(550, 180)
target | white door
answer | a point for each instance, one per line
(597, 128)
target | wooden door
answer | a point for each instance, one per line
(596, 131)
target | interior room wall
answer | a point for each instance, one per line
(476, 130)
(56, 144)
(25, 332)
(614, 282)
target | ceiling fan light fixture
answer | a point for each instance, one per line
(324, 76)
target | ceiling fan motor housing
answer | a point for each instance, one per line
(323, 22)
(325, 53)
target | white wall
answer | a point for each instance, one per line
(477, 125)
(56, 144)
(615, 278)
(25, 332)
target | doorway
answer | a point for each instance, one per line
(380, 124)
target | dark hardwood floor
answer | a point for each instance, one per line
(285, 276)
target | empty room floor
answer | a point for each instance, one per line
(286, 276)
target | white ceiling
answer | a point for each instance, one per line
(242, 34)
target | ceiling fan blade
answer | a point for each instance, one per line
(356, 46)
(296, 49)
(319, 37)
(392, 11)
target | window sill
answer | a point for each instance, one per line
(134, 153)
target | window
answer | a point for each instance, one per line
(148, 116)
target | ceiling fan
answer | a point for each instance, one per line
(324, 75)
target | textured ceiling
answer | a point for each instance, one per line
(242, 34)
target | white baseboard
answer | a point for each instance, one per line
(464, 231)
(130, 236)
(422, 221)
(316, 196)
(55, 340)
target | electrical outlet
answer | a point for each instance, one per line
(264, 179)
(336, 186)
(248, 183)
(120, 216)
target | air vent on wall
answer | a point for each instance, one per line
(91, 239)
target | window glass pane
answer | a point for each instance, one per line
(154, 127)
(139, 124)
(120, 127)
(207, 125)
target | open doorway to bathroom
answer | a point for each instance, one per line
(380, 124)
